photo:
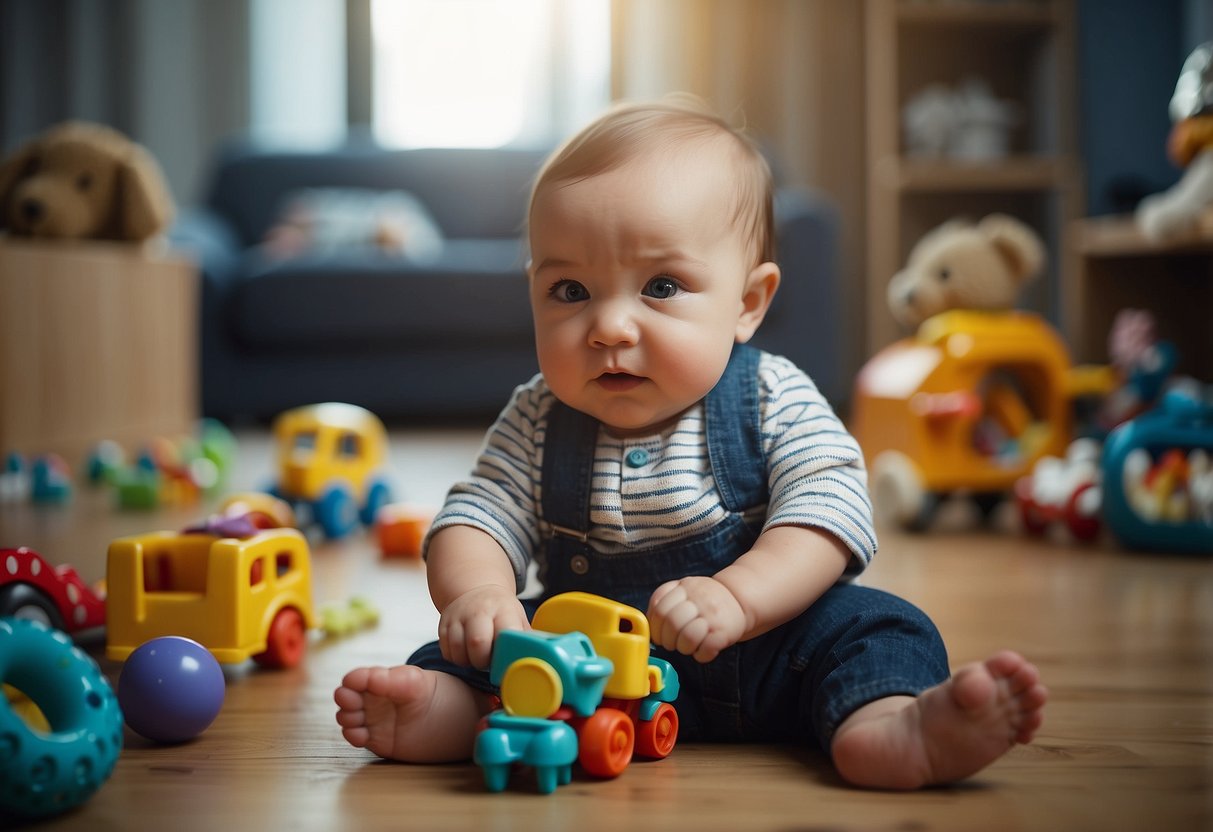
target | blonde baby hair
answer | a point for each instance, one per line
(630, 129)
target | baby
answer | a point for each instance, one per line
(660, 461)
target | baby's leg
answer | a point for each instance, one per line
(409, 714)
(945, 734)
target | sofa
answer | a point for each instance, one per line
(421, 341)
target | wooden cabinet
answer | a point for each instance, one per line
(97, 341)
(1023, 50)
(1116, 268)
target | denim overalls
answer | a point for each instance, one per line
(798, 681)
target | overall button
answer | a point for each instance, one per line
(580, 564)
(637, 458)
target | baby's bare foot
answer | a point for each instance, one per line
(409, 714)
(948, 732)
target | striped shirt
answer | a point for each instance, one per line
(815, 476)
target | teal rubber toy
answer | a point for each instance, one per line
(43, 773)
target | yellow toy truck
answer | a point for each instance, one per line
(969, 404)
(581, 686)
(329, 457)
(240, 598)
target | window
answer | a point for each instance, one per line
(487, 73)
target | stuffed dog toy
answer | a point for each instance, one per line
(80, 180)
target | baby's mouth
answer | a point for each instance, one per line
(618, 382)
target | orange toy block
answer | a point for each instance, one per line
(401, 528)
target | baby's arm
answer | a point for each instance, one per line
(788, 569)
(472, 584)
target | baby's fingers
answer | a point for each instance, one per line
(478, 641)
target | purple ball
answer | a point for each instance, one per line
(170, 689)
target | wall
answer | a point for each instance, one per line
(172, 75)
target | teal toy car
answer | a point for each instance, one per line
(548, 746)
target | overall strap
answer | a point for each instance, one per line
(568, 464)
(734, 432)
(734, 436)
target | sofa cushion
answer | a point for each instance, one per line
(472, 193)
(476, 293)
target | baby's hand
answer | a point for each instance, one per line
(471, 622)
(696, 616)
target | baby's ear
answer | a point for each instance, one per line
(760, 287)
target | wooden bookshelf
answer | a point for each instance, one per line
(1024, 50)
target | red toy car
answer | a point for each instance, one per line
(30, 587)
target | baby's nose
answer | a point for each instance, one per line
(613, 325)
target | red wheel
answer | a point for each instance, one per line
(286, 641)
(655, 738)
(606, 743)
(1082, 512)
(1035, 521)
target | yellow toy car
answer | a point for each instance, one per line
(238, 597)
(969, 404)
(330, 456)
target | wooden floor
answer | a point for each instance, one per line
(1124, 641)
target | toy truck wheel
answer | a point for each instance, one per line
(655, 738)
(1082, 512)
(899, 496)
(531, 687)
(286, 641)
(30, 603)
(377, 496)
(607, 740)
(336, 512)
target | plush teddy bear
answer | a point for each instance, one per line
(1189, 201)
(964, 265)
(80, 180)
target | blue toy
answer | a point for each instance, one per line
(171, 689)
(581, 686)
(548, 746)
(1158, 476)
(44, 773)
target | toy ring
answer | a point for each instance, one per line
(46, 773)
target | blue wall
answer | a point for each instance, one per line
(1129, 56)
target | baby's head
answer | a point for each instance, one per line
(629, 131)
(651, 255)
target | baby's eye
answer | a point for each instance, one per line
(569, 291)
(661, 287)
(945, 273)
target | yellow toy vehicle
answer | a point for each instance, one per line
(329, 459)
(238, 597)
(580, 686)
(969, 404)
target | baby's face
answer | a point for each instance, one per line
(637, 283)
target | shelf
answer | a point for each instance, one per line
(1024, 51)
(1118, 236)
(1017, 173)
